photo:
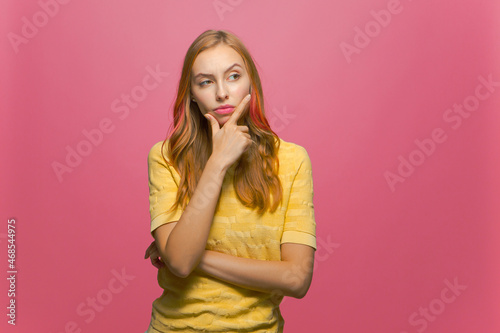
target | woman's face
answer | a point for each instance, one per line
(218, 78)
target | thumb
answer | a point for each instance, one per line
(213, 123)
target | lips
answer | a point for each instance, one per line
(224, 110)
(224, 106)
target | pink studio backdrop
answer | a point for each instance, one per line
(396, 103)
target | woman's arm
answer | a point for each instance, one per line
(293, 274)
(290, 277)
(182, 246)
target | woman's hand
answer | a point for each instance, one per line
(230, 141)
(152, 251)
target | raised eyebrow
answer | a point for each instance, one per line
(211, 75)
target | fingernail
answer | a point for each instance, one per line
(248, 97)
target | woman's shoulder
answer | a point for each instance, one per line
(290, 151)
(155, 152)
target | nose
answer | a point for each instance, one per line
(221, 93)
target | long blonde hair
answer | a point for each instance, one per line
(190, 143)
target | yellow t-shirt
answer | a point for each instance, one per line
(202, 303)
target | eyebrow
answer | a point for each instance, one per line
(210, 75)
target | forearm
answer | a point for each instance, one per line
(278, 277)
(187, 241)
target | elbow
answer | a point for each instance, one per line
(181, 270)
(177, 272)
(297, 285)
(180, 263)
(302, 289)
(182, 273)
(300, 293)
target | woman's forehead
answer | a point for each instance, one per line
(217, 60)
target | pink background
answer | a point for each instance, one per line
(384, 254)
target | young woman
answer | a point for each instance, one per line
(231, 203)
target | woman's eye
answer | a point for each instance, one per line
(203, 82)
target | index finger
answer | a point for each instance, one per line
(238, 110)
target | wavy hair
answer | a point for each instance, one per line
(256, 182)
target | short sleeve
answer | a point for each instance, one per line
(162, 189)
(300, 225)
